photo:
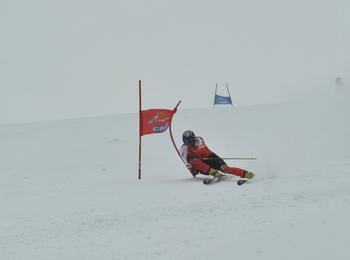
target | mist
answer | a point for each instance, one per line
(71, 59)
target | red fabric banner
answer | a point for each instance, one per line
(154, 121)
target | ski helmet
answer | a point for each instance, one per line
(188, 137)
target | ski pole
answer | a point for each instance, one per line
(231, 158)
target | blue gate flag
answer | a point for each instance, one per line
(221, 100)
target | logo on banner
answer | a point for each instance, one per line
(160, 128)
(161, 122)
(159, 118)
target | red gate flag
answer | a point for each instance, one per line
(155, 121)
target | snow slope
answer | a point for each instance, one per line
(69, 189)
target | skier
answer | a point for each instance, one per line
(200, 159)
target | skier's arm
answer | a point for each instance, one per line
(184, 153)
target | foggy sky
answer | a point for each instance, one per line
(65, 59)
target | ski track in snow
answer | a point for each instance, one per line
(69, 189)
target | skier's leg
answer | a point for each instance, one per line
(237, 171)
(204, 168)
(233, 170)
(197, 164)
(218, 163)
(214, 161)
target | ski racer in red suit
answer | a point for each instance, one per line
(200, 159)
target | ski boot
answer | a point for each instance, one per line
(215, 173)
(248, 175)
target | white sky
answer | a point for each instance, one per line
(74, 58)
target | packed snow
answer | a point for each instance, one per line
(69, 189)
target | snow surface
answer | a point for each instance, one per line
(69, 189)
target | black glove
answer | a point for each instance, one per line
(194, 172)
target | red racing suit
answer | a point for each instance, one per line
(196, 156)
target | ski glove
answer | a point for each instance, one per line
(194, 172)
